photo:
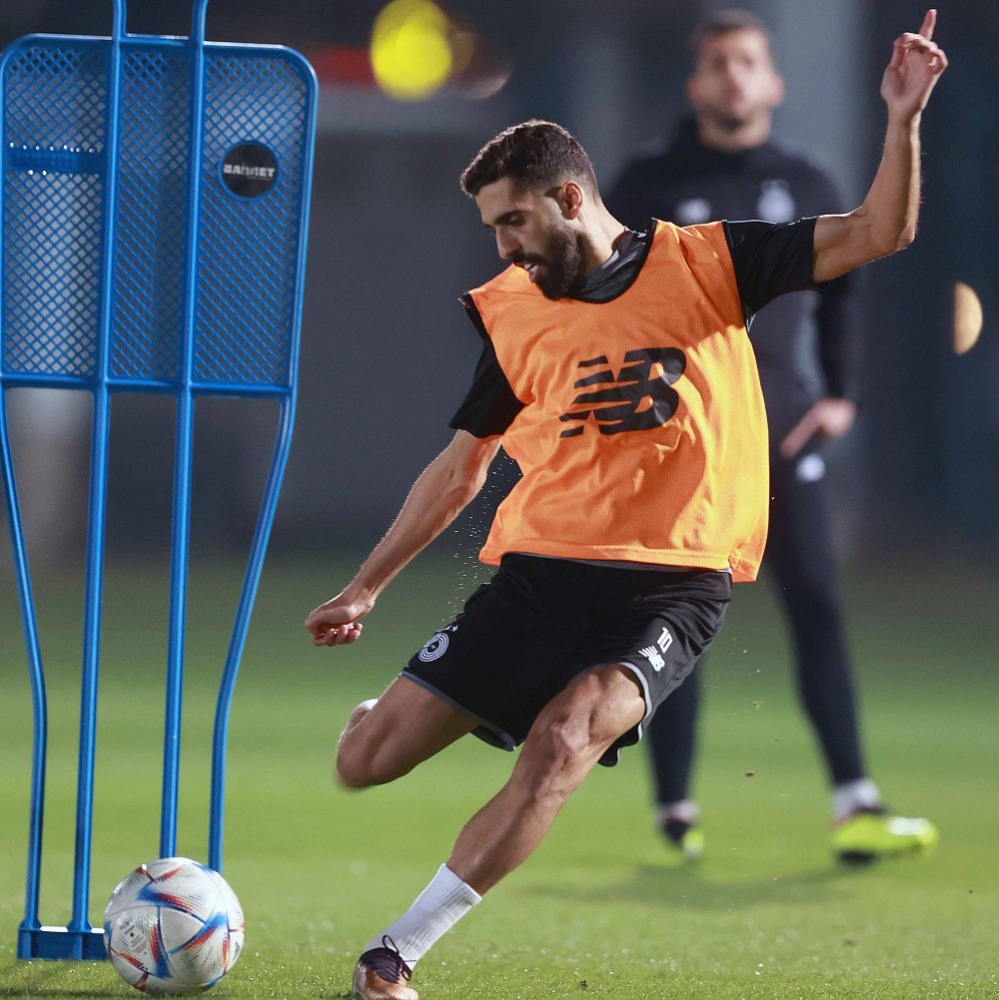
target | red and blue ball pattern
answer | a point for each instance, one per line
(173, 927)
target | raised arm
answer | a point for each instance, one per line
(443, 489)
(886, 221)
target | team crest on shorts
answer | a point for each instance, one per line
(435, 647)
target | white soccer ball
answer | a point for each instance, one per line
(173, 927)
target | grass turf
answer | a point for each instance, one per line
(595, 912)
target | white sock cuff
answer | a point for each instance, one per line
(438, 908)
(686, 811)
(453, 891)
(853, 795)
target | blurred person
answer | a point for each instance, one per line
(617, 371)
(723, 163)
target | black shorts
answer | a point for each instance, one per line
(540, 622)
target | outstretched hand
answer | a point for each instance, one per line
(916, 64)
(336, 623)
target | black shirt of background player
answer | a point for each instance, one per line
(768, 261)
(691, 183)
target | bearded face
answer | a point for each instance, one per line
(556, 266)
(533, 232)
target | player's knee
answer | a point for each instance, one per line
(353, 768)
(348, 779)
(567, 741)
(557, 756)
(349, 770)
(353, 772)
(360, 765)
(575, 730)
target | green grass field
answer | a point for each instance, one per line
(595, 912)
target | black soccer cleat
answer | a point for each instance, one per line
(382, 973)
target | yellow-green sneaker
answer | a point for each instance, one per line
(685, 840)
(870, 834)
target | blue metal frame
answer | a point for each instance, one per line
(193, 378)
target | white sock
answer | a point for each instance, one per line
(436, 910)
(685, 811)
(854, 795)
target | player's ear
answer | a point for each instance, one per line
(570, 199)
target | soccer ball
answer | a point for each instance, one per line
(173, 927)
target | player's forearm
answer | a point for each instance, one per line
(886, 222)
(437, 497)
(893, 201)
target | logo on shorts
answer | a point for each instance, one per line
(435, 647)
(654, 653)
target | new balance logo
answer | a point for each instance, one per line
(638, 398)
(654, 653)
(653, 656)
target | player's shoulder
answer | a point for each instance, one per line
(698, 242)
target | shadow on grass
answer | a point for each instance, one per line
(689, 887)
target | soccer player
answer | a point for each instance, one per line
(617, 371)
(723, 164)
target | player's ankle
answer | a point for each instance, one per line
(684, 811)
(850, 797)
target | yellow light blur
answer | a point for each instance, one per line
(411, 50)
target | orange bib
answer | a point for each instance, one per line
(643, 436)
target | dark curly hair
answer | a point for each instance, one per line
(535, 153)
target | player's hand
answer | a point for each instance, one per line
(336, 623)
(828, 418)
(916, 64)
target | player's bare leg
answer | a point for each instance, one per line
(387, 737)
(567, 739)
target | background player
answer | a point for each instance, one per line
(724, 164)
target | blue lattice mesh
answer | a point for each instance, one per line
(54, 134)
(54, 192)
(151, 234)
(248, 250)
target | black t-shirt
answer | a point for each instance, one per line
(768, 259)
(805, 345)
